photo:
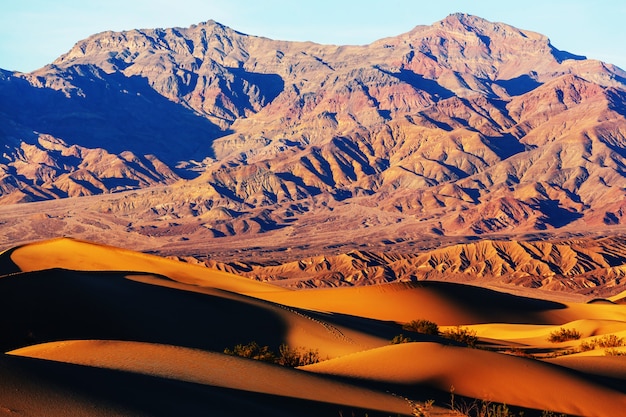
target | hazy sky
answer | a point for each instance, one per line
(35, 32)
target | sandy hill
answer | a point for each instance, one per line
(447, 367)
(54, 388)
(127, 324)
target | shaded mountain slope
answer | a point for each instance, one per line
(470, 126)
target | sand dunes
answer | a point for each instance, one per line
(479, 374)
(214, 369)
(95, 330)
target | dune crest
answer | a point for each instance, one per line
(87, 309)
(479, 374)
(215, 369)
(87, 256)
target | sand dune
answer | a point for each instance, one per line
(446, 304)
(537, 335)
(33, 387)
(215, 369)
(479, 374)
(613, 367)
(85, 256)
(59, 305)
(131, 323)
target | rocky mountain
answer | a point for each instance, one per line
(463, 127)
(585, 266)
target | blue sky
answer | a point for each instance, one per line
(35, 32)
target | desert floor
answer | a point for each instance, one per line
(94, 330)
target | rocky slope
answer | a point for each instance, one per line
(462, 127)
(589, 267)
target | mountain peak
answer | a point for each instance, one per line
(464, 22)
(458, 124)
(214, 25)
(463, 18)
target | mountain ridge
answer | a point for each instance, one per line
(463, 127)
(584, 266)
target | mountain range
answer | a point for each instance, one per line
(175, 203)
(457, 129)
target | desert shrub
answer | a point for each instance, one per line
(609, 341)
(563, 335)
(287, 356)
(495, 410)
(400, 339)
(488, 409)
(552, 414)
(477, 408)
(293, 357)
(606, 341)
(468, 407)
(422, 326)
(461, 335)
(516, 351)
(252, 350)
(425, 409)
(587, 345)
(614, 352)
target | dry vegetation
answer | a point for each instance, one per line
(563, 335)
(286, 356)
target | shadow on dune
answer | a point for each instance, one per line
(59, 304)
(53, 389)
(480, 304)
(379, 328)
(7, 266)
(491, 306)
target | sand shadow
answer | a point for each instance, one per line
(73, 388)
(59, 304)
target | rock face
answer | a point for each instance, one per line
(463, 127)
(590, 267)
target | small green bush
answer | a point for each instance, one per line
(563, 335)
(422, 326)
(461, 335)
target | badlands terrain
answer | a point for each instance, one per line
(461, 128)
(196, 221)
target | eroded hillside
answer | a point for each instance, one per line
(464, 127)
